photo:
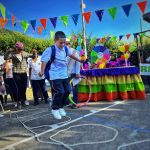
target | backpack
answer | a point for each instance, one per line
(52, 58)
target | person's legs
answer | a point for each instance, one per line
(35, 91)
(58, 93)
(24, 86)
(42, 85)
(67, 89)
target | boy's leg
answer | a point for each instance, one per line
(75, 94)
(67, 89)
(58, 93)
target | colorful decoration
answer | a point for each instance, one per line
(40, 29)
(87, 16)
(52, 34)
(99, 14)
(3, 22)
(112, 11)
(24, 25)
(53, 21)
(13, 20)
(127, 9)
(33, 24)
(43, 22)
(3, 10)
(122, 49)
(132, 48)
(64, 19)
(75, 18)
(142, 6)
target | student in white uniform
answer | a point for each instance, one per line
(37, 82)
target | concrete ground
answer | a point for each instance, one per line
(118, 125)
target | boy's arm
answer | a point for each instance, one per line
(76, 58)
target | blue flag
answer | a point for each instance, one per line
(99, 14)
(53, 21)
(127, 9)
(75, 18)
(33, 24)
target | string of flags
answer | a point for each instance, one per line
(75, 17)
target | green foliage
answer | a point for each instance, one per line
(9, 38)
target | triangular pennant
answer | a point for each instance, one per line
(13, 20)
(52, 34)
(120, 37)
(127, 9)
(112, 12)
(64, 20)
(135, 35)
(43, 22)
(97, 40)
(128, 36)
(3, 22)
(75, 18)
(99, 14)
(33, 24)
(40, 29)
(24, 25)
(53, 21)
(3, 10)
(142, 6)
(87, 16)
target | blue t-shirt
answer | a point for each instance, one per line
(59, 65)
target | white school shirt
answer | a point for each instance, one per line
(58, 68)
(73, 65)
(35, 69)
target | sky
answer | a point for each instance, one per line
(36, 9)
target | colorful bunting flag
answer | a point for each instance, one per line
(3, 10)
(40, 29)
(120, 37)
(3, 22)
(33, 24)
(99, 14)
(112, 11)
(128, 36)
(142, 34)
(142, 6)
(114, 38)
(43, 22)
(13, 20)
(52, 34)
(53, 21)
(87, 16)
(127, 9)
(75, 18)
(64, 19)
(24, 25)
(135, 35)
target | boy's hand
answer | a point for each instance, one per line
(41, 74)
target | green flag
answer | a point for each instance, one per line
(112, 11)
(52, 33)
(114, 38)
(2, 8)
(24, 25)
(64, 20)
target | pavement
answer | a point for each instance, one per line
(118, 125)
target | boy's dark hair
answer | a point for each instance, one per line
(59, 35)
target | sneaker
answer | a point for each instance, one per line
(15, 104)
(27, 103)
(62, 112)
(56, 114)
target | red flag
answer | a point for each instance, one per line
(87, 16)
(13, 20)
(142, 6)
(128, 36)
(43, 22)
(40, 29)
(3, 22)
